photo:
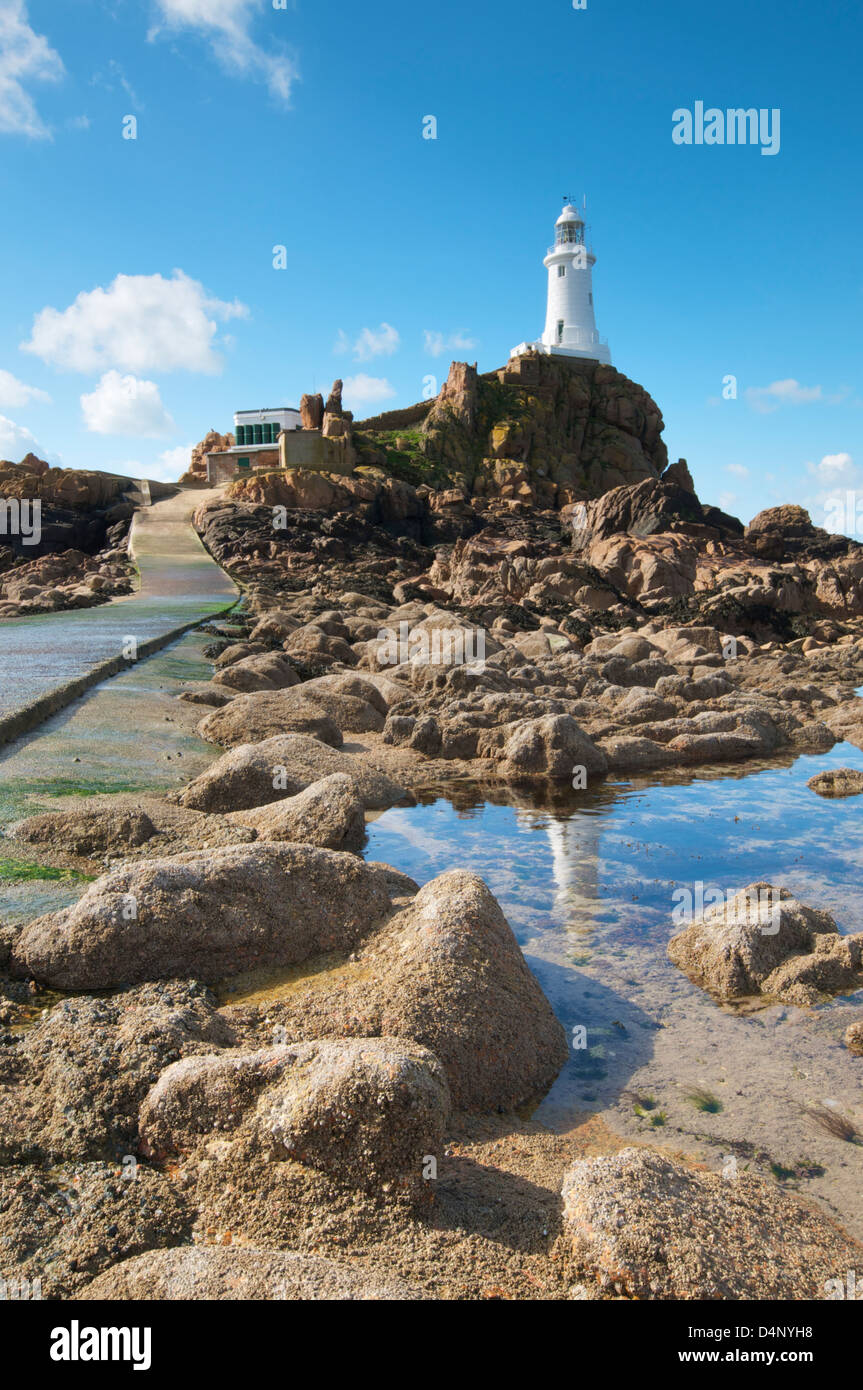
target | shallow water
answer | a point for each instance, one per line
(589, 894)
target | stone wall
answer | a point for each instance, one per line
(313, 450)
(222, 466)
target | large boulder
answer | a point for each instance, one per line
(763, 941)
(238, 1273)
(256, 774)
(837, 782)
(263, 671)
(448, 973)
(643, 509)
(329, 813)
(637, 1224)
(365, 1110)
(358, 687)
(263, 714)
(654, 569)
(206, 914)
(312, 411)
(87, 833)
(552, 746)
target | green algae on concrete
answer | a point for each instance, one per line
(23, 871)
(129, 735)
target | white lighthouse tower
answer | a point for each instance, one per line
(570, 324)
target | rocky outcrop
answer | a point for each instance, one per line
(312, 411)
(259, 671)
(448, 973)
(553, 746)
(255, 774)
(763, 941)
(268, 713)
(79, 489)
(334, 399)
(87, 833)
(576, 428)
(213, 442)
(329, 814)
(207, 914)
(640, 1225)
(837, 782)
(366, 1110)
(265, 715)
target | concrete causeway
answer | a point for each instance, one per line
(50, 659)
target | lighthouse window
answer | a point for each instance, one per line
(570, 234)
(561, 271)
(560, 330)
(590, 299)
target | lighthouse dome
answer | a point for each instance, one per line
(569, 214)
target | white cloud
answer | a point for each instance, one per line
(362, 390)
(126, 405)
(172, 463)
(226, 24)
(14, 392)
(738, 469)
(727, 500)
(436, 344)
(78, 123)
(140, 323)
(834, 468)
(15, 441)
(835, 504)
(25, 56)
(766, 399)
(380, 342)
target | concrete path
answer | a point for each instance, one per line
(48, 660)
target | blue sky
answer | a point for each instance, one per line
(302, 127)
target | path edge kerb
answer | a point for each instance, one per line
(30, 716)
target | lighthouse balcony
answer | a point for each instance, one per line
(572, 337)
(577, 344)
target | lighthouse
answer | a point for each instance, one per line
(570, 322)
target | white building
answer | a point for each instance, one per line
(260, 428)
(570, 325)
